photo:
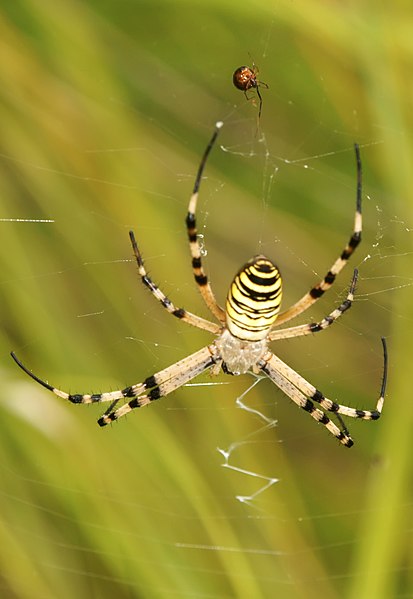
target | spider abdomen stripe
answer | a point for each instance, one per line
(253, 300)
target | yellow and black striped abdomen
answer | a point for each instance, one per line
(254, 299)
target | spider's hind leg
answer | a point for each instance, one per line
(164, 382)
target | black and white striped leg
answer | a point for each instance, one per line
(158, 385)
(305, 404)
(78, 398)
(305, 394)
(315, 327)
(180, 313)
(164, 382)
(200, 276)
(318, 290)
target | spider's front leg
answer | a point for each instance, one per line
(201, 278)
(324, 285)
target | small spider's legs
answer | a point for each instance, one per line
(158, 385)
(315, 327)
(260, 84)
(164, 382)
(201, 278)
(304, 394)
(316, 292)
(260, 98)
(256, 86)
(180, 313)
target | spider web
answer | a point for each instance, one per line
(223, 489)
(376, 253)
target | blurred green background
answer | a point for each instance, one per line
(106, 108)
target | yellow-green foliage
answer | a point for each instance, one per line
(105, 110)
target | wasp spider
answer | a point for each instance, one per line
(245, 328)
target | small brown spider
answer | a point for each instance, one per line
(245, 78)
